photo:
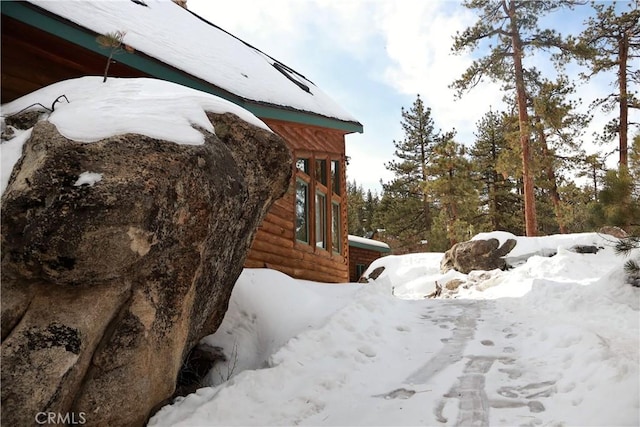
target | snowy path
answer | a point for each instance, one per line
(553, 342)
(437, 362)
(469, 388)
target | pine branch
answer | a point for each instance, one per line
(626, 245)
(631, 267)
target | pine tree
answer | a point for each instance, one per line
(577, 203)
(618, 202)
(502, 206)
(513, 25)
(452, 185)
(371, 204)
(632, 267)
(557, 127)
(611, 41)
(405, 207)
(355, 209)
(593, 168)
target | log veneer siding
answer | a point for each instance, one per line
(275, 245)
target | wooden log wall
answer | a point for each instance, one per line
(275, 245)
(360, 256)
(32, 59)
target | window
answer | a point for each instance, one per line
(360, 269)
(335, 176)
(336, 238)
(318, 203)
(321, 220)
(303, 165)
(302, 211)
(321, 171)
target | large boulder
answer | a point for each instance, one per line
(613, 231)
(476, 255)
(111, 277)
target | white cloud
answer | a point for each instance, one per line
(419, 39)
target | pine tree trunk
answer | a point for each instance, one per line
(493, 202)
(595, 182)
(423, 171)
(623, 53)
(523, 121)
(551, 176)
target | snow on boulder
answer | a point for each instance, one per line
(545, 246)
(125, 224)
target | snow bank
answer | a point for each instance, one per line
(266, 310)
(555, 341)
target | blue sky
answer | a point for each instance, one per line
(373, 57)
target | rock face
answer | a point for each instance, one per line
(476, 255)
(107, 286)
(613, 231)
(372, 276)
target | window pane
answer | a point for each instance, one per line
(321, 217)
(302, 211)
(303, 165)
(321, 171)
(335, 176)
(335, 228)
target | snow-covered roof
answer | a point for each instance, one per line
(181, 39)
(363, 242)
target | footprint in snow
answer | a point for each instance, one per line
(367, 351)
(399, 393)
(512, 373)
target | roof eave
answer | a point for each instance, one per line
(35, 16)
(375, 248)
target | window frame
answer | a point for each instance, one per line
(330, 191)
(303, 183)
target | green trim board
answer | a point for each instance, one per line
(375, 248)
(296, 116)
(36, 17)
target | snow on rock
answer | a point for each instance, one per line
(88, 178)
(543, 245)
(97, 110)
(155, 108)
(10, 153)
(554, 341)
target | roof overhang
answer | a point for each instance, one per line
(369, 244)
(60, 27)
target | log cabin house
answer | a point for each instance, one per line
(305, 233)
(362, 252)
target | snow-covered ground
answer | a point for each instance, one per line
(553, 341)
